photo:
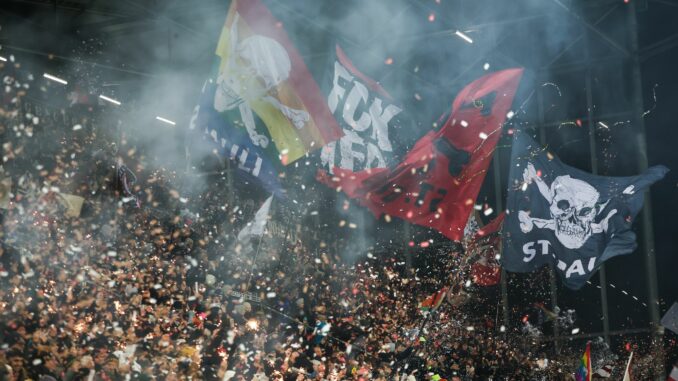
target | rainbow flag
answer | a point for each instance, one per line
(265, 86)
(584, 372)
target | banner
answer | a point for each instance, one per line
(438, 180)
(561, 215)
(264, 86)
(584, 371)
(367, 115)
(213, 129)
(483, 251)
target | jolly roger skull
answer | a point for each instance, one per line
(573, 205)
(257, 65)
(573, 208)
(254, 68)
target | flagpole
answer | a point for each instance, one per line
(553, 286)
(500, 207)
(648, 230)
(602, 276)
(628, 366)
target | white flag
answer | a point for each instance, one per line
(605, 371)
(627, 372)
(258, 224)
(670, 319)
(674, 374)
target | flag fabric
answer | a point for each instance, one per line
(218, 133)
(483, 250)
(674, 374)
(256, 227)
(436, 183)
(432, 302)
(548, 315)
(584, 371)
(562, 215)
(264, 85)
(627, 371)
(604, 372)
(367, 115)
(670, 319)
(5, 189)
(71, 204)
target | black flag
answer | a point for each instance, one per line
(562, 215)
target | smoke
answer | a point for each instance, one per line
(165, 54)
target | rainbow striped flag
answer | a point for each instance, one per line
(266, 88)
(584, 372)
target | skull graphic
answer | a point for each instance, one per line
(573, 205)
(255, 67)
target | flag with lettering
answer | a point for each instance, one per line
(212, 132)
(436, 183)
(562, 215)
(264, 86)
(367, 114)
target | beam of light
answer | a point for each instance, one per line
(464, 36)
(107, 99)
(3, 59)
(55, 79)
(482, 135)
(575, 331)
(160, 118)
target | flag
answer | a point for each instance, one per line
(71, 203)
(627, 372)
(674, 374)
(432, 302)
(670, 319)
(483, 249)
(604, 372)
(367, 115)
(438, 180)
(5, 189)
(264, 85)
(256, 227)
(216, 132)
(561, 215)
(547, 314)
(584, 371)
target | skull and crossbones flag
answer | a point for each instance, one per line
(562, 215)
(264, 85)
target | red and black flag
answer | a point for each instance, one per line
(483, 251)
(437, 182)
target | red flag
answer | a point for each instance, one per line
(438, 180)
(483, 248)
(432, 302)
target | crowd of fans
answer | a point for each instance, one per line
(147, 283)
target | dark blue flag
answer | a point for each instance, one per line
(217, 131)
(561, 215)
